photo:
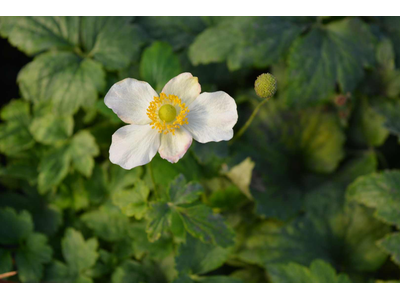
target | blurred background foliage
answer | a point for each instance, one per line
(310, 193)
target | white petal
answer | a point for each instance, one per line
(174, 147)
(134, 145)
(129, 99)
(212, 117)
(185, 86)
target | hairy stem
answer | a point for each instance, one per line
(249, 121)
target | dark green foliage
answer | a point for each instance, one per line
(309, 193)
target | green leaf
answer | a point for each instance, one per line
(107, 222)
(83, 148)
(31, 257)
(48, 129)
(159, 64)
(385, 55)
(202, 223)
(46, 217)
(53, 167)
(159, 249)
(14, 228)
(195, 257)
(130, 271)
(73, 193)
(179, 191)
(178, 31)
(367, 127)
(225, 195)
(64, 79)
(79, 254)
(165, 172)
(335, 53)
(391, 244)
(390, 110)
(185, 278)
(59, 272)
(379, 191)
(318, 272)
(159, 216)
(241, 175)
(6, 263)
(120, 179)
(36, 34)
(133, 202)
(113, 41)
(247, 41)
(14, 134)
(185, 213)
(343, 235)
(391, 27)
(289, 148)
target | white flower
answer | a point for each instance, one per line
(168, 122)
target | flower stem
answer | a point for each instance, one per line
(153, 180)
(249, 121)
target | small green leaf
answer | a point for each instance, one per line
(46, 217)
(130, 271)
(6, 263)
(179, 191)
(133, 202)
(318, 272)
(390, 110)
(380, 191)
(202, 223)
(14, 133)
(159, 64)
(391, 244)
(14, 228)
(159, 249)
(120, 179)
(158, 216)
(31, 257)
(63, 78)
(107, 222)
(59, 272)
(178, 31)
(79, 254)
(53, 167)
(48, 128)
(185, 213)
(83, 148)
(367, 127)
(195, 257)
(385, 55)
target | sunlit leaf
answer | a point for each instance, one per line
(63, 78)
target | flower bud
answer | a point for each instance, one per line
(265, 85)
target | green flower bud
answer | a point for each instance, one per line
(265, 85)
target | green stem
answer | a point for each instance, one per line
(153, 180)
(249, 121)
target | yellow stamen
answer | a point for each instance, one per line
(165, 124)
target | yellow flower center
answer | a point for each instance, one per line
(167, 113)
